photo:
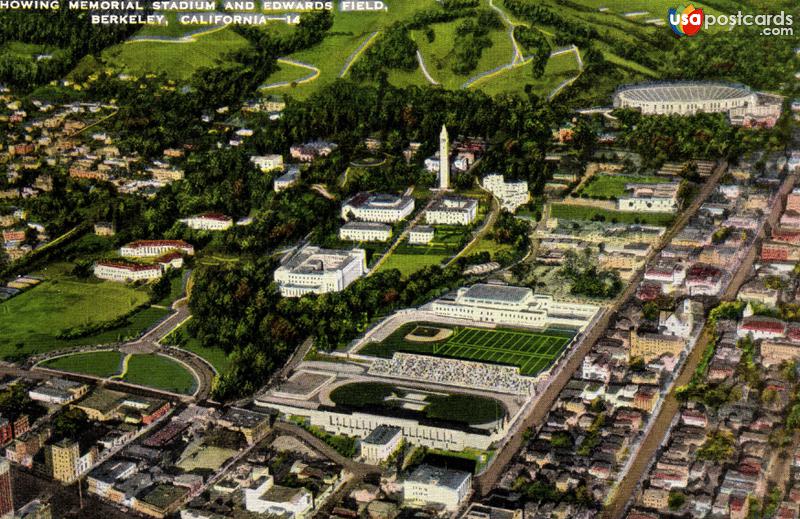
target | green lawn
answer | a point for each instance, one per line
(582, 212)
(439, 53)
(177, 60)
(532, 351)
(329, 56)
(215, 356)
(28, 50)
(31, 320)
(558, 69)
(488, 245)
(411, 258)
(98, 363)
(159, 372)
(613, 186)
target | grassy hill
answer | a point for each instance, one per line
(631, 36)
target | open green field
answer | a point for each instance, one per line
(96, 363)
(411, 258)
(215, 356)
(349, 31)
(613, 186)
(558, 69)
(25, 50)
(178, 60)
(439, 54)
(31, 320)
(583, 212)
(159, 372)
(466, 409)
(532, 352)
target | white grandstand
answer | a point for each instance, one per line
(454, 372)
(685, 98)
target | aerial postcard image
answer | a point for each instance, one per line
(399, 259)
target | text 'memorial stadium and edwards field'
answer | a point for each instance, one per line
(386, 259)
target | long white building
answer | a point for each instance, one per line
(123, 272)
(452, 211)
(514, 306)
(152, 248)
(365, 231)
(360, 425)
(650, 198)
(208, 222)
(316, 270)
(511, 194)
(379, 208)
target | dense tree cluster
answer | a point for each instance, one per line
(265, 329)
(394, 50)
(536, 45)
(472, 38)
(588, 279)
(734, 55)
(73, 34)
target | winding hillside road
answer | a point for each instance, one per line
(312, 76)
(424, 69)
(358, 52)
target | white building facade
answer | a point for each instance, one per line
(379, 208)
(126, 272)
(421, 235)
(208, 222)
(511, 194)
(429, 485)
(318, 271)
(452, 211)
(515, 306)
(365, 231)
(152, 248)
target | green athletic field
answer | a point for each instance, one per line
(532, 351)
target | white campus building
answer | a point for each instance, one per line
(421, 235)
(380, 208)
(267, 162)
(511, 194)
(515, 306)
(152, 248)
(208, 222)
(365, 231)
(265, 497)
(123, 272)
(360, 425)
(381, 443)
(429, 485)
(685, 97)
(452, 211)
(650, 198)
(316, 270)
(286, 180)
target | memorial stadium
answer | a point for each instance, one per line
(684, 98)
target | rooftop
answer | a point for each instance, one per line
(503, 293)
(382, 434)
(431, 475)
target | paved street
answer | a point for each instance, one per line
(489, 478)
(658, 431)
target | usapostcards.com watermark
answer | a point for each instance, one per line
(687, 21)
